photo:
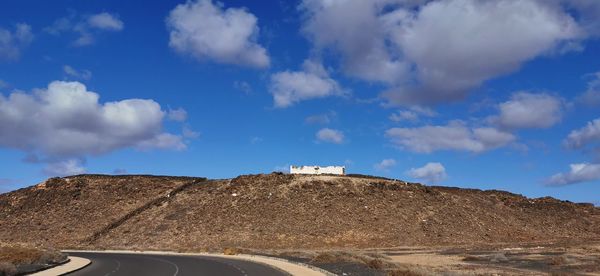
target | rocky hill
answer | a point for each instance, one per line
(279, 211)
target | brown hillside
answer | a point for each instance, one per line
(65, 211)
(279, 211)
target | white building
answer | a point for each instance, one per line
(340, 170)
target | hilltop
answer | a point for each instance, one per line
(278, 211)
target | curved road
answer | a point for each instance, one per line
(122, 264)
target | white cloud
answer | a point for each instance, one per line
(431, 172)
(163, 141)
(582, 137)
(85, 27)
(342, 25)
(432, 51)
(12, 43)
(330, 136)
(66, 120)
(321, 119)
(529, 110)
(591, 97)
(385, 165)
(313, 82)
(208, 31)
(588, 14)
(189, 133)
(105, 21)
(65, 168)
(178, 115)
(584, 172)
(242, 86)
(454, 136)
(412, 114)
(72, 72)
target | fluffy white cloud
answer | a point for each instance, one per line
(207, 31)
(330, 136)
(86, 27)
(313, 82)
(342, 25)
(66, 120)
(584, 172)
(65, 168)
(105, 21)
(12, 43)
(431, 172)
(454, 136)
(78, 74)
(529, 110)
(582, 137)
(178, 115)
(591, 97)
(385, 165)
(431, 51)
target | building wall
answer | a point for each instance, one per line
(341, 170)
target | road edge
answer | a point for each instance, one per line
(290, 267)
(74, 264)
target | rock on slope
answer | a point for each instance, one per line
(280, 211)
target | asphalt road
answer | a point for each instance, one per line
(118, 264)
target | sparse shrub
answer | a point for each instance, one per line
(231, 251)
(498, 258)
(336, 257)
(471, 258)
(7, 269)
(324, 258)
(51, 257)
(19, 255)
(375, 264)
(559, 260)
(403, 272)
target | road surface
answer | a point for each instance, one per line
(122, 264)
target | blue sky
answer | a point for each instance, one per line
(492, 95)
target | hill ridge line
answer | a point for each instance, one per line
(152, 203)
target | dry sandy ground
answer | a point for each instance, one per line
(506, 259)
(548, 259)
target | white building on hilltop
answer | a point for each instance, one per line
(340, 170)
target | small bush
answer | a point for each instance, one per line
(325, 258)
(499, 258)
(471, 258)
(51, 257)
(375, 264)
(403, 272)
(19, 255)
(559, 260)
(231, 251)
